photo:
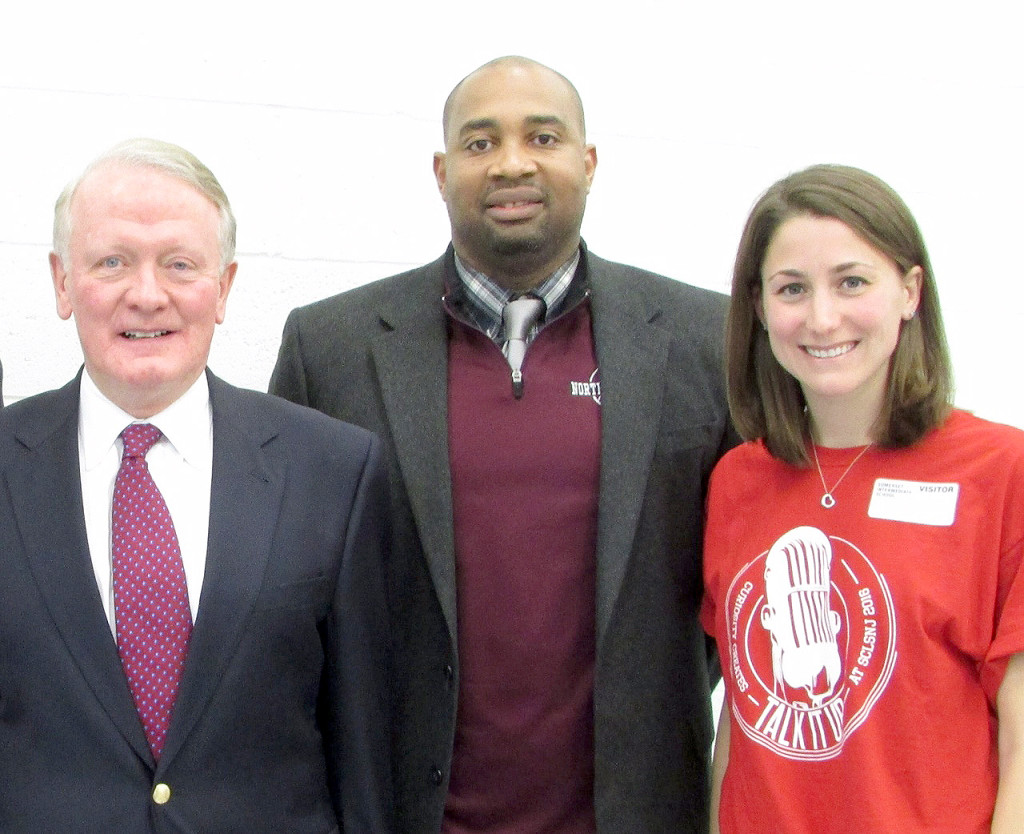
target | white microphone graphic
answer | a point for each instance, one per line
(798, 614)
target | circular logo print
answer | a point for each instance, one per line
(812, 638)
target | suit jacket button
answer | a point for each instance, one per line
(161, 794)
(436, 777)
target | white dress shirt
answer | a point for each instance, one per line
(181, 464)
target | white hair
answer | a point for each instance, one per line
(164, 157)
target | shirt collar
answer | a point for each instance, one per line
(187, 423)
(487, 298)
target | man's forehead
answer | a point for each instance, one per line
(516, 92)
(116, 184)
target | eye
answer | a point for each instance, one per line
(111, 262)
(853, 282)
(479, 145)
(792, 290)
(545, 140)
(181, 268)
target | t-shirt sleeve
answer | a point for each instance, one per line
(714, 552)
(1008, 637)
(707, 613)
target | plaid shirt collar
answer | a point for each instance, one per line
(483, 299)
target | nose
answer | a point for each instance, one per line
(513, 161)
(824, 312)
(146, 291)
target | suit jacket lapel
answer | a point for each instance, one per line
(47, 498)
(245, 502)
(411, 358)
(632, 355)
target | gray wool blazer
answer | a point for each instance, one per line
(377, 356)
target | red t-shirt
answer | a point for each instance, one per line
(863, 646)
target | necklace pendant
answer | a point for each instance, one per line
(827, 501)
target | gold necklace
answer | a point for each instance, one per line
(827, 501)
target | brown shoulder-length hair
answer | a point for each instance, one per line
(765, 400)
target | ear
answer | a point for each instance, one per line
(912, 291)
(440, 173)
(590, 164)
(225, 282)
(60, 286)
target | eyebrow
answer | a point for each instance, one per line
(478, 124)
(785, 273)
(852, 265)
(545, 120)
(836, 270)
(492, 124)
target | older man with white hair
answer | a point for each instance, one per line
(192, 606)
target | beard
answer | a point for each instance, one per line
(506, 251)
(504, 246)
(510, 247)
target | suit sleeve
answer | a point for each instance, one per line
(288, 379)
(356, 696)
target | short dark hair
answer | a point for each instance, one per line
(765, 400)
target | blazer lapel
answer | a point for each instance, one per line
(411, 358)
(245, 502)
(632, 355)
(47, 498)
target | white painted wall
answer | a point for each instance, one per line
(320, 120)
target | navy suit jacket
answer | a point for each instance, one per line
(378, 357)
(281, 719)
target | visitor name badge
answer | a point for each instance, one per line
(917, 502)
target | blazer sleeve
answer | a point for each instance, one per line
(288, 379)
(356, 698)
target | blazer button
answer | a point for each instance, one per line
(161, 794)
(436, 777)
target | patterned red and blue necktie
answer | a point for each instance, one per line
(151, 608)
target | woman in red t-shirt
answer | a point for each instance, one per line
(864, 549)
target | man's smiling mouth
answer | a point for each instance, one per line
(144, 334)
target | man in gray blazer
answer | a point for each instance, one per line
(551, 672)
(192, 594)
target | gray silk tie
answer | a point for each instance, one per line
(519, 316)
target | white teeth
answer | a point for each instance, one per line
(144, 334)
(831, 352)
